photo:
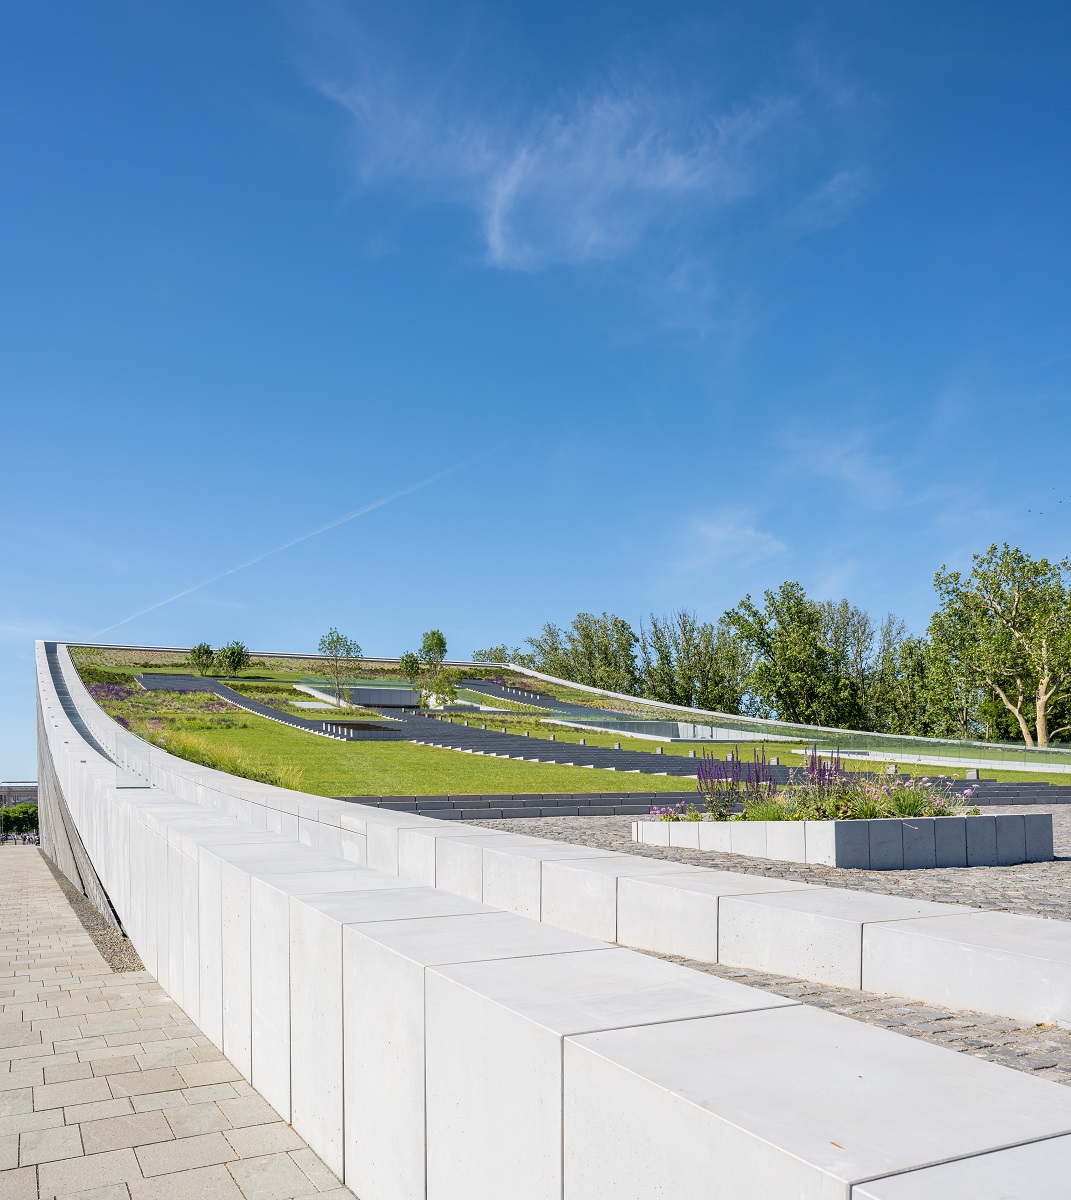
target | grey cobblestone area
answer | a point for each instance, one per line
(1040, 889)
(108, 1091)
(1037, 889)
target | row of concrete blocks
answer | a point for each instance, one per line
(1007, 964)
(541, 1067)
(429, 1046)
(888, 844)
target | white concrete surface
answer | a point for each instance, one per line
(987, 961)
(582, 896)
(814, 934)
(1037, 1169)
(791, 1103)
(499, 1026)
(678, 913)
(384, 1042)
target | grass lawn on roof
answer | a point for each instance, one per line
(333, 768)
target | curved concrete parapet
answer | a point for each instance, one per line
(361, 969)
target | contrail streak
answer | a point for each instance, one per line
(303, 537)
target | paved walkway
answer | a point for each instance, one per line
(107, 1090)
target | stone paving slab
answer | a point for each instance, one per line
(107, 1090)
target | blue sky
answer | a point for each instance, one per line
(670, 302)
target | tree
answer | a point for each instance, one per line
(503, 654)
(233, 658)
(599, 651)
(341, 653)
(1008, 624)
(19, 818)
(202, 659)
(433, 650)
(443, 686)
(409, 666)
(796, 673)
(692, 663)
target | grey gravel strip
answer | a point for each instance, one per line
(115, 948)
(1035, 889)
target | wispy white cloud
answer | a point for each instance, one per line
(722, 542)
(580, 182)
(831, 204)
(847, 457)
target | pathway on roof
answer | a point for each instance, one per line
(106, 1084)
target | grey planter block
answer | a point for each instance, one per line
(1011, 840)
(920, 843)
(839, 843)
(950, 837)
(886, 844)
(1038, 830)
(749, 837)
(981, 841)
(786, 840)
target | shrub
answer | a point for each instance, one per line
(202, 658)
(232, 659)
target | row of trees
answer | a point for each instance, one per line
(18, 818)
(994, 663)
(231, 659)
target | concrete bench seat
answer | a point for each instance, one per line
(501, 1026)
(815, 933)
(794, 1102)
(676, 913)
(988, 961)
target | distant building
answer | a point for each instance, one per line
(24, 792)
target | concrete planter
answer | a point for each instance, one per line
(889, 844)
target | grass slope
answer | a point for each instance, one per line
(330, 768)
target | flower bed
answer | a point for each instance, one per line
(825, 815)
(820, 791)
(881, 844)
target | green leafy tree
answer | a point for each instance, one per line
(1007, 625)
(202, 659)
(503, 654)
(796, 674)
(688, 662)
(599, 651)
(233, 658)
(19, 818)
(443, 686)
(409, 666)
(342, 655)
(433, 650)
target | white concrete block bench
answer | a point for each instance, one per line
(887, 844)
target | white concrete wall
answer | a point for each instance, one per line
(428, 1044)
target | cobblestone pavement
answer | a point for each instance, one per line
(107, 1090)
(1038, 889)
